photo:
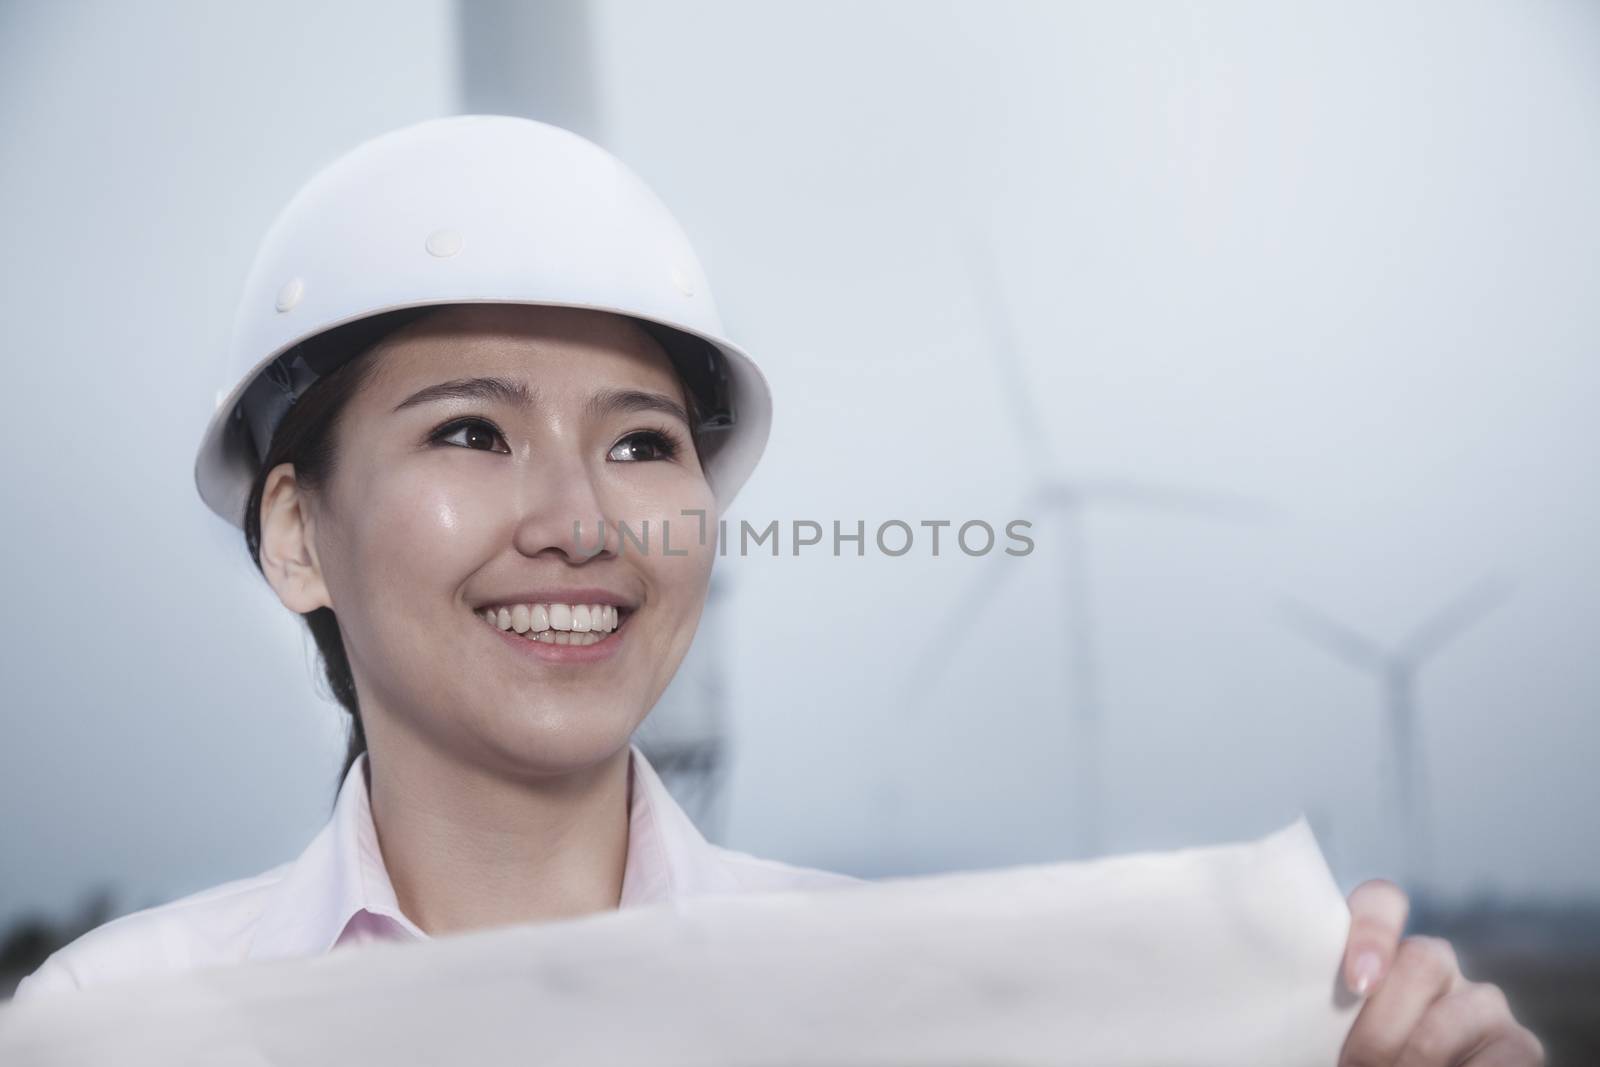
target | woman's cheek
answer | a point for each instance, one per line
(686, 547)
(440, 519)
(689, 575)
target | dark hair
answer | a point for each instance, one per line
(305, 438)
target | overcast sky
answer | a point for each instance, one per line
(1336, 265)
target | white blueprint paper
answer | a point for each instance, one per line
(1218, 955)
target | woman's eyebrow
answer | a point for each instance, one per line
(623, 401)
(504, 390)
(511, 391)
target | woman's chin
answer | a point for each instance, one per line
(559, 738)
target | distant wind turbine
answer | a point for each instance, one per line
(1396, 670)
(1069, 500)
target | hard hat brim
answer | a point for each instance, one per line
(226, 463)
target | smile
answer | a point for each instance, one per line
(556, 624)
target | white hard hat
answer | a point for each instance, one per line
(470, 209)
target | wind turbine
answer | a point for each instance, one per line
(1396, 670)
(1069, 500)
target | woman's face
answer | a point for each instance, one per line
(447, 504)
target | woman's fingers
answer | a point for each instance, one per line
(1517, 1049)
(1456, 1026)
(1424, 970)
(1378, 910)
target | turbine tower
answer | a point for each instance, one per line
(1396, 671)
(1069, 500)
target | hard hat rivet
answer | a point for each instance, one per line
(290, 294)
(444, 243)
(681, 279)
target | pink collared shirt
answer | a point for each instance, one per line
(338, 893)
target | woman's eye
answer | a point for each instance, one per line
(644, 445)
(472, 433)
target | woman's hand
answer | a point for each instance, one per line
(1421, 1011)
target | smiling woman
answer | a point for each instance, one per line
(427, 451)
(463, 345)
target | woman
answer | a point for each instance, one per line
(471, 353)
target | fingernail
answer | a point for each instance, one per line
(1365, 971)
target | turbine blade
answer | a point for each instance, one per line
(1007, 358)
(1448, 622)
(1232, 507)
(1341, 640)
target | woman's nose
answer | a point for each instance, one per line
(560, 509)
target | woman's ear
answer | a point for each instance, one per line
(288, 546)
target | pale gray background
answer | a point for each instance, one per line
(1337, 257)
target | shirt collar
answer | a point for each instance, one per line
(339, 889)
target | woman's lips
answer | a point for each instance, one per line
(527, 645)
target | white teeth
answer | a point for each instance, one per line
(560, 624)
(564, 637)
